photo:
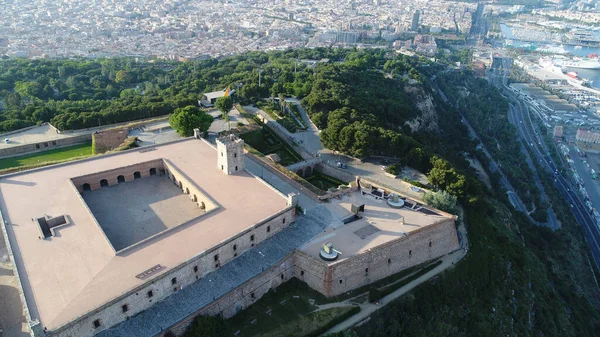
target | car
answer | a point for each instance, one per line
(383, 167)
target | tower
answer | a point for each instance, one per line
(230, 154)
(415, 21)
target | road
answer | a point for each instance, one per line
(540, 151)
(309, 139)
(515, 116)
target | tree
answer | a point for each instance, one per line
(224, 104)
(206, 326)
(122, 76)
(185, 120)
(441, 200)
(29, 89)
(445, 177)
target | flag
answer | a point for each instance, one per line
(226, 92)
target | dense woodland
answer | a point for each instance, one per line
(518, 279)
(486, 110)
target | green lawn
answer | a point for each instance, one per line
(63, 153)
(275, 308)
(267, 142)
(286, 311)
(289, 123)
(312, 324)
(324, 182)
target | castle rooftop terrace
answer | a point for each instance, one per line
(377, 225)
(77, 270)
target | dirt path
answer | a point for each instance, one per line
(483, 176)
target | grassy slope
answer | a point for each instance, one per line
(310, 324)
(258, 140)
(79, 150)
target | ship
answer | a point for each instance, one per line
(556, 65)
(576, 79)
(583, 38)
(581, 63)
(560, 50)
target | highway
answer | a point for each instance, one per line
(521, 115)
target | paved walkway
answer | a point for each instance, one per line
(284, 186)
(366, 309)
(310, 138)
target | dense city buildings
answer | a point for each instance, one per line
(185, 29)
(587, 136)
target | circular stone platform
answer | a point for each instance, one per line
(332, 256)
(398, 203)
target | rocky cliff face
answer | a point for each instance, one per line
(427, 119)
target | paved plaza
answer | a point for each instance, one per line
(133, 211)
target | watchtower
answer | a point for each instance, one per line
(230, 152)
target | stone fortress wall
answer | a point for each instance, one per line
(45, 145)
(243, 296)
(382, 261)
(331, 279)
(418, 247)
(119, 175)
(108, 139)
(143, 297)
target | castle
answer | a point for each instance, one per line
(139, 242)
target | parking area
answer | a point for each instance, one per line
(219, 124)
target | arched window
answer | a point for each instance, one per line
(103, 183)
(187, 190)
(137, 175)
(86, 187)
(120, 179)
(152, 171)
